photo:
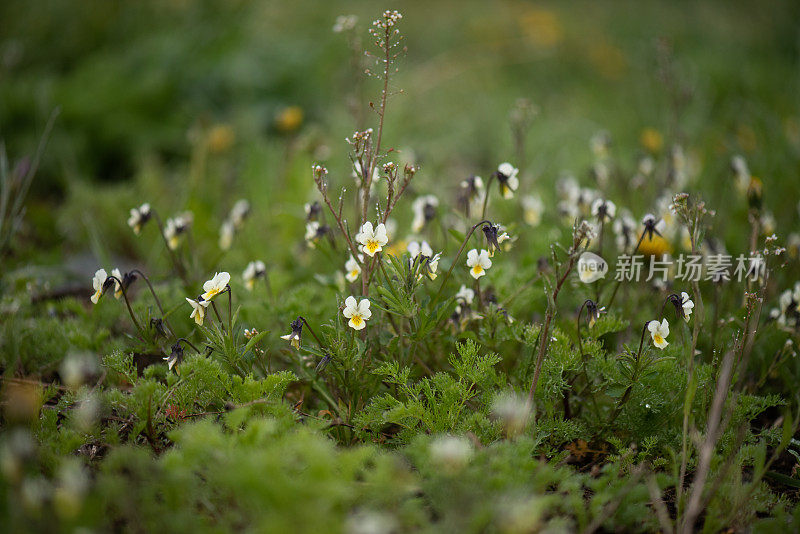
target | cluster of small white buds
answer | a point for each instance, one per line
(250, 334)
(360, 141)
(387, 20)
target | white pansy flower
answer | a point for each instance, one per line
(424, 208)
(659, 332)
(296, 334)
(478, 262)
(353, 269)
(253, 271)
(567, 188)
(198, 310)
(652, 224)
(532, 208)
(472, 190)
(312, 231)
(428, 260)
(465, 295)
(687, 305)
(507, 177)
(98, 283)
(175, 228)
(414, 249)
(226, 233)
(215, 286)
(604, 210)
(357, 312)
(117, 286)
(139, 216)
(433, 266)
(372, 241)
(239, 212)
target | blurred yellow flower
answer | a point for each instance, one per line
(651, 140)
(220, 138)
(289, 119)
(541, 27)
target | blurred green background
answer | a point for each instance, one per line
(141, 85)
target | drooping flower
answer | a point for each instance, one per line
(175, 356)
(432, 266)
(428, 261)
(357, 312)
(507, 178)
(239, 212)
(253, 271)
(604, 210)
(313, 211)
(315, 231)
(176, 227)
(139, 216)
(424, 208)
(117, 285)
(414, 249)
(215, 286)
(198, 310)
(593, 312)
(352, 268)
(465, 295)
(372, 241)
(659, 332)
(478, 262)
(471, 193)
(653, 225)
(296, 334)
(687, 305)
(532, 208)
(226, 233)
(490, 232)
(99, 284)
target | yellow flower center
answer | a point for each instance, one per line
(354, 273)
(356, 320)
(373, 246)
(477, 269)
(658, 339)
(212, 293)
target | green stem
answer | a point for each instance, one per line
(455, 260)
